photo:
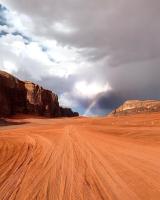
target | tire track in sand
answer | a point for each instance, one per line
(74, 163)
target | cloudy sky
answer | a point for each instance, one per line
(94, 54)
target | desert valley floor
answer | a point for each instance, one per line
(80, 158)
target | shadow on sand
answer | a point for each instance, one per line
(5, 122)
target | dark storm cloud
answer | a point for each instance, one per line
(57, 84)
(125, 31)
(104, 102)
(109, 100)
(120, 40)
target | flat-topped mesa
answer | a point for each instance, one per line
(17, 96)
(137, 106)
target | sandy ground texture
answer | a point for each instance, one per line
(116, 158)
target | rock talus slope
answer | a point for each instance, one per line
(17, 96)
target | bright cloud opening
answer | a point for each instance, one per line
(90, 90)
(9, 67)
(62, 28)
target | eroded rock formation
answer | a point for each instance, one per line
(41, 101)
(17, 96)
(137, 106)
(12, 95)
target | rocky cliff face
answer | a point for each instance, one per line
(137, 106)
(41, 101)
(17, 96)
(12, 95)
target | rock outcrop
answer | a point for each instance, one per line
(12, 95)
(41, 101)
(67, 112)
(137, 106)
(17, 96)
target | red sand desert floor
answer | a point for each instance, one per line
(116, 158)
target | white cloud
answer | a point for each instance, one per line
(66, 100)
(63, 28)
(56, 60)
(9, 66)
(90, 90)
(20, 22)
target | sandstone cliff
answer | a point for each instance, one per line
(17, 96)
(137, 106)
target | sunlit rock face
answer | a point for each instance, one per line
(138, 106)
(41, 101)
(17, 96)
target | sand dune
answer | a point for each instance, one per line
(81, 158)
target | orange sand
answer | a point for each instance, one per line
(81, 158)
